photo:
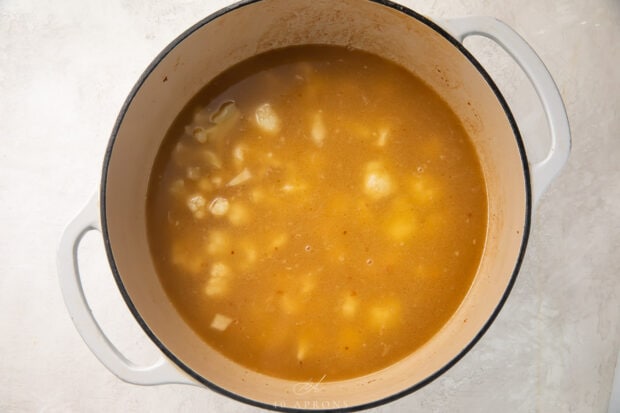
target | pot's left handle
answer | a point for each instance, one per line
(162, 371)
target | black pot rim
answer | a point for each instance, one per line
(220, 390)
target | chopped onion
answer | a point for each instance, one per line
(227, 110)
(242, 177)
(212, 159)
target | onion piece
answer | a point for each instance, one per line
(226, 112)
(222, 122)
(212, 159)
(242, 177)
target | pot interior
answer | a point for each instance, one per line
(218, 43)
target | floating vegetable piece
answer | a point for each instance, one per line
(318, 131)
(221, 322)
(242, 177)
(219, 206)
(377, 182)
(267, 119)
(196, 203)
(222, 122)
(219, 279)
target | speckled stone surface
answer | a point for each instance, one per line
(67, 66)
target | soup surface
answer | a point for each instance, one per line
(316, 213)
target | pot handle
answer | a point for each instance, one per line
(162, 371)
(545, 171)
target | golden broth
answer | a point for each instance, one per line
(316, 213)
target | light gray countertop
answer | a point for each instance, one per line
(65, 70)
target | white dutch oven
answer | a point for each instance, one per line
(431, 50)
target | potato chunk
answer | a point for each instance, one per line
(258, 195)
(248, 253)
(400, 228)
(219, 206)
(181, 257)
(384, 314)
(218, 242)
(238, 214)
(196, 204)
(200, 134)
(349, 305)
(220, 322)
(377, 182)
(311, 342)
(205, 184)
(216, 180)
(267, 119)
(219, 279)
(401, 222)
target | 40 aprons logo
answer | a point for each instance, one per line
(309, 398)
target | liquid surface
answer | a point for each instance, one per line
(316, 213)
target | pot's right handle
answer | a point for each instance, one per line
(160, 372)
(544, 171)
